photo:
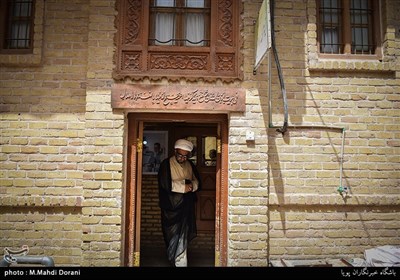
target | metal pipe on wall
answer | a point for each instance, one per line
(283, 129)
(8, 260)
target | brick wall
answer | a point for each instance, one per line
(284, 201)
(47, 231)
(151, 234)
(104, 146)
(42, 138)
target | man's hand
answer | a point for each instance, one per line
(188, 187)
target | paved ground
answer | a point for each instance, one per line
(155, 257)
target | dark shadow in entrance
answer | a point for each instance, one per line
(156, 257)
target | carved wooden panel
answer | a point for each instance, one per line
(208, 180)
(131, 61)
(132, 21)
(225, 22)
(225, 63)
(136, 60)
(207, 205)
(179, 62)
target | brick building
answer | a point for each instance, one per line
(95, 80)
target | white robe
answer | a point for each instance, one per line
(180, 172)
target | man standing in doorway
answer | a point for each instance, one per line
(178, 180)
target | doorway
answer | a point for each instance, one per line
(151, 134)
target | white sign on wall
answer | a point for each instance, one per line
(262, 33)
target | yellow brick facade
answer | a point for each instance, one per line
(63, 148)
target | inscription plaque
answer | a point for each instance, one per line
(177, 97)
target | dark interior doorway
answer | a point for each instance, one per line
(213, 212)
(159, 138)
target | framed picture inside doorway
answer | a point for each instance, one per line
(155, 148)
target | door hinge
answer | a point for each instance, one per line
(136, 259)
(217, 261)
(219, 146)
(139, 145)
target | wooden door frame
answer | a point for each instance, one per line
(131, 221)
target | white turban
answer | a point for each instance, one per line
(184, 144)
